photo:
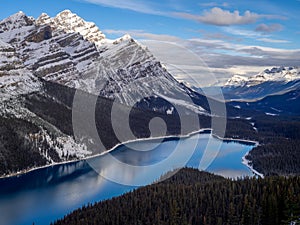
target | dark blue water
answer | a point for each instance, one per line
(44, 195)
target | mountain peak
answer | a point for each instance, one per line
(127, 37)
(66, 11)
(16, 21)
(237, 80)
(16, 17)
(124, 38)
(44, 15)
(21, 13)
(67, 14)
(71, 22)
(44, 18)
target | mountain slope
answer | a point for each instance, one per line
(44, 62)
(70, 51)
(67, 50)
(124, 70)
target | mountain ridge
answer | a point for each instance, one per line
(285, 74)
(275, 81)
(71, 22)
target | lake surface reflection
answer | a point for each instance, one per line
(45, 195)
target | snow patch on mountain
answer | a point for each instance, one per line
(189, 105)
(15, 79)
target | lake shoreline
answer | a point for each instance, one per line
(245, 161)
(201, 131)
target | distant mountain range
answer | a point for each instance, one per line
(274, 91)
(280, 74)
(269, 82)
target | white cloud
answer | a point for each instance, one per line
(216, 16)
(242, 32)
(253, 35)
(218, 35)
(220, 17)
(269, 40)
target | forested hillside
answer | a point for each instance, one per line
(194, 197)
(278, 152)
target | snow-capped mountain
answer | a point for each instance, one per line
(48, 51)
(70, 23)
(269, 82)
(44, 60)
(237, 80)
(280, 74)
(68, 50)
(119, 69)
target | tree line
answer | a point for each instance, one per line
(194, 197)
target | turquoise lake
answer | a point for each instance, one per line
(45, 195)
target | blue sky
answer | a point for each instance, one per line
(231, 37)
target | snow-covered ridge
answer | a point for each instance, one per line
(70, 23)
(16, 21)
(282, 74)
(14, 28)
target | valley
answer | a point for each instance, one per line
(99, 125)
